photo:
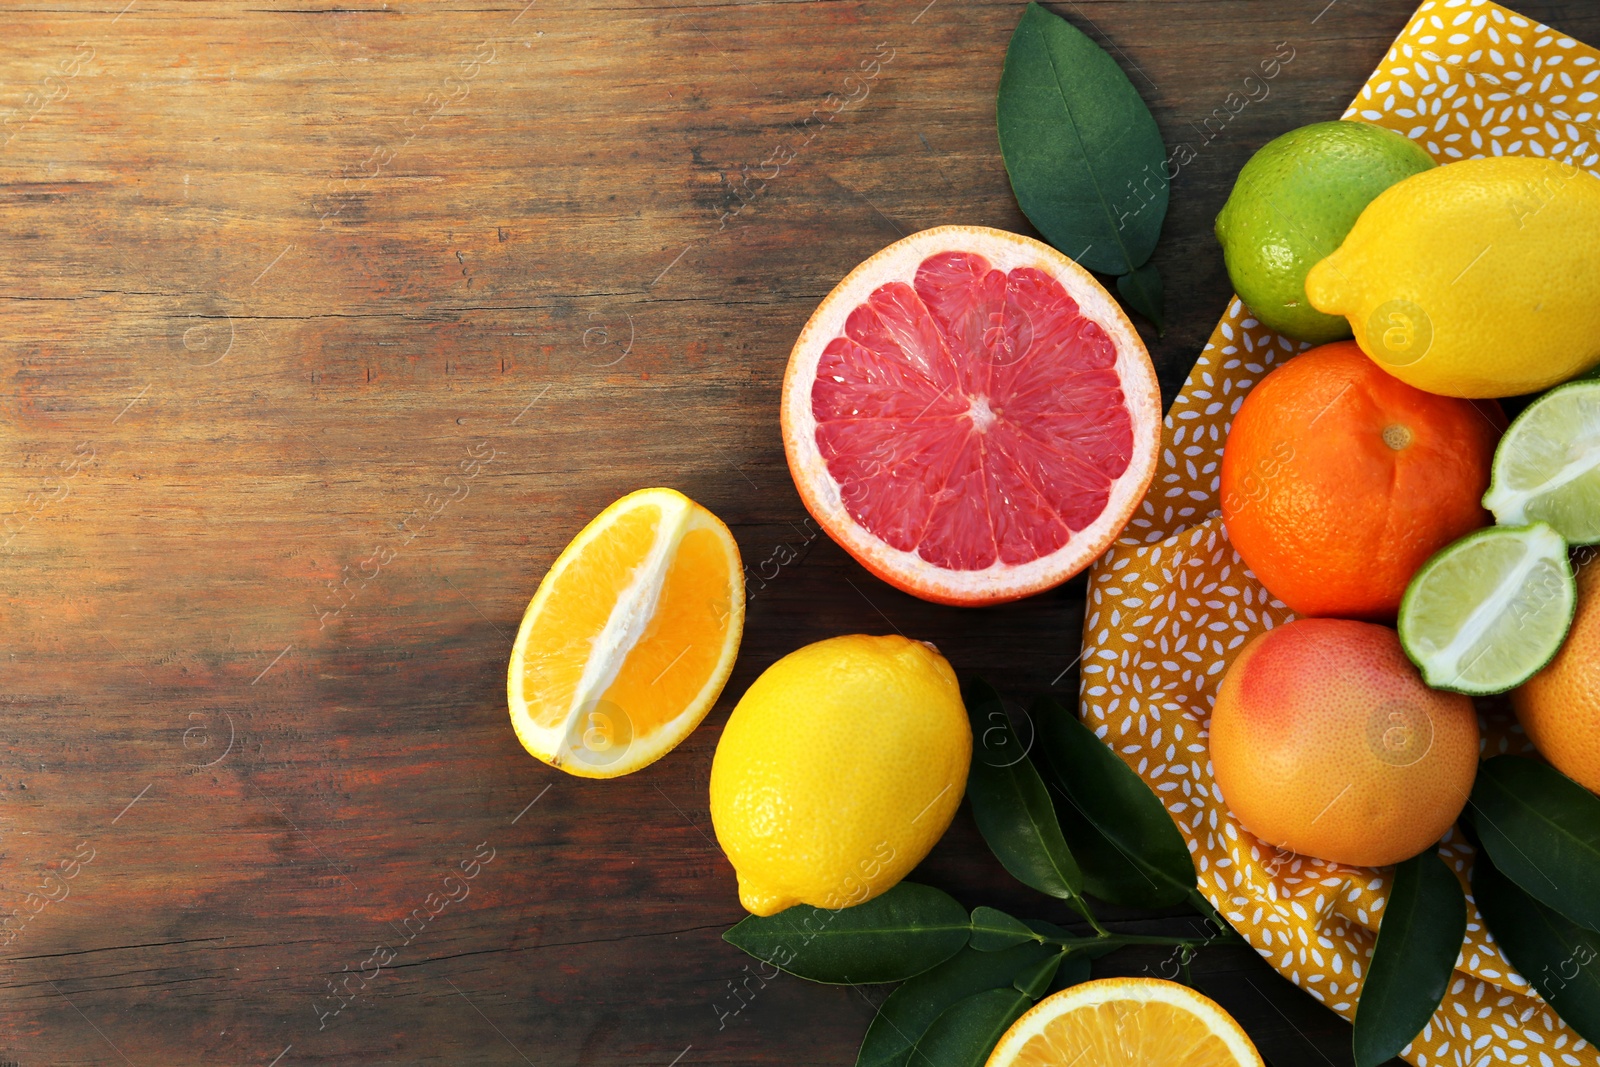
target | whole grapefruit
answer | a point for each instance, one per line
(1560, 706)
(1326, 742)
(1339, 481)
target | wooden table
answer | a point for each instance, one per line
(272, 272)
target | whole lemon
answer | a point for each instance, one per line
(838, 770)
(1560, 706)
(1476, 279)
(1293, 203)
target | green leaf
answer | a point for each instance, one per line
(1543, 831)
(1086, 160)
(908, 1012)
(1418, 942)
(993, 930)
(889, 938)
(1033, 982)
(1130, 849)
(970, 1029)
(1141, 290)
(1556, 955)
(1010, 803)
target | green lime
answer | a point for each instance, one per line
(1293, 204)
(1485, 613)
(1547, 466)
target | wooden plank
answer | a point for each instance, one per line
(271, 273)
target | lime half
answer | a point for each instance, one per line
(1547, 467)
(1484, 614)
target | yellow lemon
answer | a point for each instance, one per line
(839, 769)
(1476, 279)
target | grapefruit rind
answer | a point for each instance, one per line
(628, 622)
(1115, 991)
(906, 570)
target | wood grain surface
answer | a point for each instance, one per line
(324, 328)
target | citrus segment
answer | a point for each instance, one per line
(1118, 1021)
(630, 637)
(971, 415)
(1490, 610)
(1548, 465)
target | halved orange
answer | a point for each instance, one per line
(1118, 1021)
(971, 416)
(630, 637)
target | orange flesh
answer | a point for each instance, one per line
(677, 653)
(562, 638)
(1123, 1032)
(669, 666)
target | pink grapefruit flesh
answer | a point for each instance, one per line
(971, 416)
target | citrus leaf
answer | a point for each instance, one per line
(968, 1030)
(1085, 158)
(1543, 831)
(1418, 942)
(993, 930)
(1141, 290)
(1130, 849)
(1010, 803)
(908, 1012)
(1034, 981)
(1556, 955)
(889, 938)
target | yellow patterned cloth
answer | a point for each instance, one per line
(1171, 602)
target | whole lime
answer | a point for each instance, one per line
(1293, 204)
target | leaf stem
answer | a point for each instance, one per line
(1081, 906)
(1121, 940)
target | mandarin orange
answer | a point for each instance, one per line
(1339, 481)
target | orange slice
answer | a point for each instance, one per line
(1119, 1021)
(630, 637)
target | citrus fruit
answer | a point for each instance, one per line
(839, 769)
(1488, 611)
(1114, 1022)
(629, 638)
(1477, 278)
(1339, 481)
(1560, 706)
(1292, 205)
(1548, 465)
(971, 416)
(1326, 742)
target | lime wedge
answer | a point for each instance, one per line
(1547, 467)
(1485, 613)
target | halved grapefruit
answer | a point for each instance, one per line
(971, 416)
